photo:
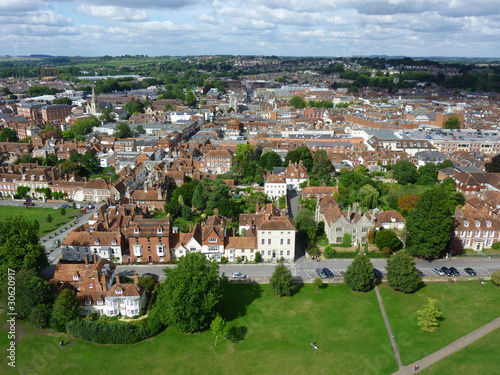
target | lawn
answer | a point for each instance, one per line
(40, 214)
(271, 336)
(481, 357)
(465, 305)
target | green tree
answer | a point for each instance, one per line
(26, 158)
(63, 211)
(298, 102)
(198, 199)
(452, 122)
(269, 160)
(62, 101)
(306, 225)
(402, 272)
(387, 238)
(368, 196)
(258, 257)
(107, 115)
(140, 129)
(405, 172)
(359, 275)
(495, 277)
(133, 107)
(322, 166)
(429, 224)
(318, 283)
(282, 282)
(84, 126)
(301, 153)
(22, 191)
(8, 134)
(245, 160)
(65, 310)
(49, 218)
(48, 127)
(191, 295)
(219, 327)
(494, 165)
(429, 317)
(122, 130)
(191, 99)
(428, 174)
(347, 240)
(19, 246)
(91, 162)
(40, 315)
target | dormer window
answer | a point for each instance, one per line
(96, 242)
(478, 223)
(75, 278)
(136, 230)
(100, 303)
(87, 303)
(213, 239)
(466, 223)
(91, 286)
(113, 242)
(159, 230)
(119, 291)
(488, 223)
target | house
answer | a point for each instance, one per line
(244, 248)
(96, 190)
(275, 186)
(295, 174)
(318, 192)
(390, 219)
(149, 240)
(182, 244)
(474, 229)
(216, 161)
(93, 285)
(213, 233)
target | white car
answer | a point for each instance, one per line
(238, 275)
(79, 205)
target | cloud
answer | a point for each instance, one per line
(113, 12)
(150, 4)
(207, 19)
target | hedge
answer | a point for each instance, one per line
(100, 332)
(352, 254)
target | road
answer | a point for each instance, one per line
(305, 268)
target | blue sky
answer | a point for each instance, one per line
(280, 27)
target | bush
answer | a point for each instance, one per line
(282, 282)
(224, 260)
(495, 277)
(359, 275)
(100, 332)
(496, 246)
(313, 251)
(330, 252)
(258, 257)
(40, 316)
(347, 240)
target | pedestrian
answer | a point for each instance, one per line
(61, 344)
(416, 368)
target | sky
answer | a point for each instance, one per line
(464, 28)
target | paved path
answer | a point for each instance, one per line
(389, 330)
(454, 347)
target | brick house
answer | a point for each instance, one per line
(390, 219)
(474, 229)
(182, 244)
(149, 240)
(213, 233)
(318, 192)
(216, 161)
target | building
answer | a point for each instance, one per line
(275, 186)
(390, 219)
(213, 233)
(216, 161)
(318, 192)
(55, 113)
(149, 240)
(475, 230)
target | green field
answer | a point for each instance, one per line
(272, 336)
(465, 305)
(481, 357)
(40, 214)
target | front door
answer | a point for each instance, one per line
(150, 259)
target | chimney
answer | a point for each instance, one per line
(145, 187)
(159, 192)
(95, 258)
(117, 279)
(216, 211)
(256, 208)
(103, 282)
(136, 278)
(106, 222)
(234, 231)
(190, 227)
(267, 216)
(86, 259)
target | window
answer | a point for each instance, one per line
(288, 241)
(75, 278)
(243, 251)
(212, 239)
(288, 252)
(149, 240)
(91, 286)
(281, 241)
(262, 242)
(338, 229)
(269, 253)
(118, 291)
(281, 252)
(269, 241)
(136, 230)
(87, 303)
(159, 230)
(213, 248)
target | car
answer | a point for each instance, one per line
(65, 206)
(90, 207)
(446, 270)
(79, 205)
(238, 275)
(29, 204)
(377, 273)
(470, 271)
(154, 276)
(328, 273)
(454, 271)
(439, 271)
(321, 273)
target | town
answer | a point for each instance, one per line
(132, 177)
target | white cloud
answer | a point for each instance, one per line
(113, 12)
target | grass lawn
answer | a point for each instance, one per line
(40, 214)
(271, 336)
(481, 357)
(465, 306)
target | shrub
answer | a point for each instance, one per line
(347, 240)
(224, 260)
(100, 332)
(258, 257)
(330, 252)
(359, 275)
(495, 277)
(313, 251)
(496, 246)
(282, 282)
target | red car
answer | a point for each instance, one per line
(29, 204)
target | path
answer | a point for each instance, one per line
(454, 347)
(389, 330)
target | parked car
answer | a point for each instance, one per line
(454, 271)
(29, 204)
(90, 207)
(328, 273)
(79, 205)
(238, 275)
(154, 276)
(320, 273)
(65, 206)
(446, 270)
(470, 271)
(377, 273)
(439, 271)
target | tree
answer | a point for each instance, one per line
(402, 273)
(494, 165)
(198, 199)
(368, 196)
(49, 218)
(22, 191)
(269, 160)
(318, 283)
(65, 310)
(63, 211)
(429, 224)
(428, 174)
(191, 295)
(84, 126)
(219, 327)
(140, 129)
(495, 277)
(107, 115)
(245, 160)
(306, 225)
(25, 158)
(322, 166)
(40, 315)
(301, 153)
(191, 99)
(406, 203)
(133, 107)
(429, 316)
(347, 240)
(91, 162)
(371, 235)
(8, 134)
(258, 257)
(405, 172)
(48, 127)
(452, 122)
(359, 275)
(19, 246)
(298, 102)
(387, 238)
(62, 101)
(122, 130)
(282, 282)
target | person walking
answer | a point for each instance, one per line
(61, 344)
